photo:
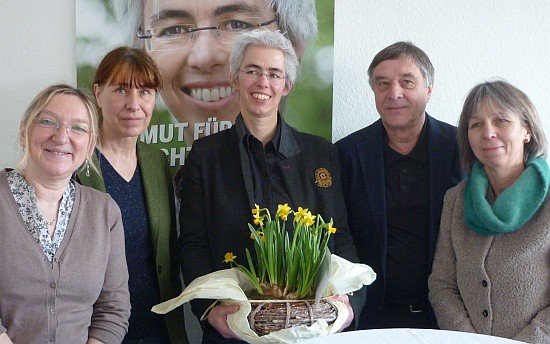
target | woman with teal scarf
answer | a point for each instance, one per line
(491, 272)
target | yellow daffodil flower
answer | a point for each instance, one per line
(229, 257)
(258, 221)
(285, 266)
(260, 234)
(256, 209)
(300, 213)
(309, 219)
(282, 211)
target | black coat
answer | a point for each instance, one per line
(216, 196)
(362, 162)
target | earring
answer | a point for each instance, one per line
(526, 140)
(87, 168)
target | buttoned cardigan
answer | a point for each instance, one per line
(82, 293)
(495, 285)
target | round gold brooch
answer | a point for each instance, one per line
(323, 177)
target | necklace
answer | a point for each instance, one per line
(52, 222)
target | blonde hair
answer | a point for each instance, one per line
(39, 103)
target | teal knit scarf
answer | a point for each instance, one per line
(513, 207)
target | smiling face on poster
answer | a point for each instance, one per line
(191, 43)
(191, 40)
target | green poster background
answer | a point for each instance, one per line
(308, 107)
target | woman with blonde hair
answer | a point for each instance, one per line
(64, 276)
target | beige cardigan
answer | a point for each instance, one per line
(494, 285)
(82, 293)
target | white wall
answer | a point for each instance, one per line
(37, 49)
(468, 41)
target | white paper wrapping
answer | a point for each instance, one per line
(230, 286)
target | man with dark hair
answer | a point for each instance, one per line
(394, 174)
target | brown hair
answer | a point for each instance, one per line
(407, 50)
(512, 100)
(129, 67)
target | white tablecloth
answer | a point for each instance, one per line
(408, 336)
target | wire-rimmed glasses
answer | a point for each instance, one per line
(182, 35)
(52, 124)
(274, 77)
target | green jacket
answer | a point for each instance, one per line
(159, 197)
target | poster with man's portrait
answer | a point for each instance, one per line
(190, 41)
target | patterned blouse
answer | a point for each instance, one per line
(25, 196)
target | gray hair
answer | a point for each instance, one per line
(297, 18)
(502, 94)
(409, 50)
(266, 39)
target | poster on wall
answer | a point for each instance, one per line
(196, 99)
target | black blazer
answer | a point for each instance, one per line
(362, 161)
(217, 197)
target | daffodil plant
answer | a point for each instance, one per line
(286, 269)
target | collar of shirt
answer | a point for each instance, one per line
(245, 136)
(419, 152)
(25, 197)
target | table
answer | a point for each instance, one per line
(408, 336)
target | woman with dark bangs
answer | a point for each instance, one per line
(136, 176)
